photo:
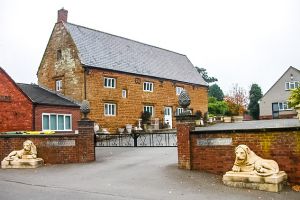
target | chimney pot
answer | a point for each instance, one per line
(62, 15)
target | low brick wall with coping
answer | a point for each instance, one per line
(198, 150)
(56, 148)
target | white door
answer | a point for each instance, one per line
(168, 116)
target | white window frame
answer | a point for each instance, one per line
(56, 115)
(110, 109)
(179, 111)
(149, 109)
(58, 85)
(148, 87)
(291, 85)
(178, 90)
(283, 106)
(110, 82)
(124, 93)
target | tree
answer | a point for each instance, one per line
(216, 107)
(255, 95)
(204, 75)
(215, 91)
(236, 100)
(294, 99)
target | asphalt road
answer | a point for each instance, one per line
(124, 173)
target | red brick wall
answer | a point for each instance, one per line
(16, 108)
(40, 109)
(281, 146)
(83, 151)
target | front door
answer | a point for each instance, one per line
(168, 116)
(275, 110)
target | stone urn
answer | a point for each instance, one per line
(129, 128)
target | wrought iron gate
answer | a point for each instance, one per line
(157, 139)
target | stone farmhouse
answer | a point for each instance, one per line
(27, 107)
(273, 104)
(120, 77)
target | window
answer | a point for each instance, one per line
(57, 122)
(179, 111)
(110, 109)
(291, 85)
(149, 109)
(58, 85)
(109, 82)
(124, 93)
(148, 86)
(178, 90)
(283, 106)
(58, 55)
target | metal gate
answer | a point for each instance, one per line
(157, 139)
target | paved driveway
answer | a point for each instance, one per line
(124, 173)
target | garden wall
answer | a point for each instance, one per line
(196, 150)
(56, 148)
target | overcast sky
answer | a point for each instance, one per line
(237, 41)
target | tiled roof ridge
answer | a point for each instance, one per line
(125, 38)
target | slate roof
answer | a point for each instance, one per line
(40, 95)
(107, 51)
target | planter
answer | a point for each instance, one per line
(227, 119)
(238, 118)
(198, 122)
(210, 120)
(128, 128)
(121, 130)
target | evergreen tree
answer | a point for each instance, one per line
(215, 91)
(255, 95)
(204, 75)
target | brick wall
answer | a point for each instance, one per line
(40, 109)
(283, 146)
(51, 147)
(16, 108)
(129, 109)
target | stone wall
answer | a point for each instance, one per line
(56, 148)
(129, 109)
(15, 107)
(65, 67)
(282, 145)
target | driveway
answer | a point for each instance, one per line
(124, 173)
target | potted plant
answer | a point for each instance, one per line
(199, 120)
(146, 116)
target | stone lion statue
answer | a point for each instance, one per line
(28, 152)
(247, 161)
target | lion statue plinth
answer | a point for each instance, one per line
(24, 158)
(251, 171)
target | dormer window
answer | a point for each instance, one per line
(58, 55)
(58, 85)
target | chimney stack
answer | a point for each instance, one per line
(62, 15)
